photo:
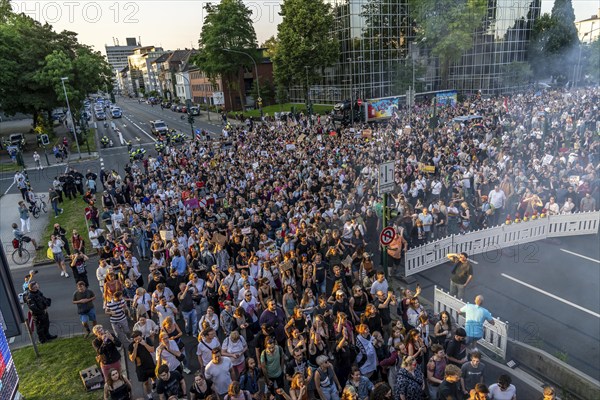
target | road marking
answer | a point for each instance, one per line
(145, 133)
(581, 255)
(11, 185)
(555, 297)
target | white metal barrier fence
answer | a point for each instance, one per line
(434, 253)
(495, 337)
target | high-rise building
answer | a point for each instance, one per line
(377, 38)
(117, 55)
(141, 69)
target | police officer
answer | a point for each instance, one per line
(77, 180)
(38, 304)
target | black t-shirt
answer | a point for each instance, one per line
(171, 386)
(84, 307)
(199, 393)
(143, 359)
(449, 391)
(456, 349)
(292, 367)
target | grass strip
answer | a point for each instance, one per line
(73, 217)
(298, 107)
(55, 374)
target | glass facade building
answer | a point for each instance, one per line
(377, 40)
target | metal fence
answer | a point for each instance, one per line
(434, 253)
(495, 337)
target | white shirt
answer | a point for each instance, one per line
(219, 374)
(497, 394)
(169, 358)
(213, 322)
(56, 246)
(204, 350)
(497, 198)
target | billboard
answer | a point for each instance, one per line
(382, 108)
(446, 98)
(9, 380)
(218, 98)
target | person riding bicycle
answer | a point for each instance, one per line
(21, 237)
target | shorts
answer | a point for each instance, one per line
(144, 374)
(88, 316)
(59, 257)
(471, 339)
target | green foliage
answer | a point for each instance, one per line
(516, 74)
(267, 92)
(447, 27)
(592, 67)
(33, 58)
(305, 40)
(227, 25)
(270, 46)
(554, 42)
(404, 77)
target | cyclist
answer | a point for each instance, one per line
(21, 237)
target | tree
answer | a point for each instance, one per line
(447, 28)
(305, 40)
(593, 65)
(270, 46)
(404, 77)
(33, 58)
(516, 74)
(227, 25)
(554, 43)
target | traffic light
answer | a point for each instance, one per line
(45, 140)
(190, 119)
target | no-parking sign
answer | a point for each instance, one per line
(387, 236)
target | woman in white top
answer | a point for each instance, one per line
(148, 328)
(234, 347)
(210, 318)
(56, 245)
(142, 302)
(101, 273)
(94, 234)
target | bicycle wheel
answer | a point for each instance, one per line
(44, 207)
(21, 256)
(36, 212)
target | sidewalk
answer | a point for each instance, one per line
(9, 214)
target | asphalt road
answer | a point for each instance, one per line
(549, 296)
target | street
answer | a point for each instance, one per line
(548, 291)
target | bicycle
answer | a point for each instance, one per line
(21, 255)
(38, 206)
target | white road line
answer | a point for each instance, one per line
(11, 185)
(555, 297)
(145, 133)
(581, 255)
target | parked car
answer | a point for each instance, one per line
(167, 105)
(16, 139)
(184, 109)
(174, 107)
(179, 107)
(194, 110)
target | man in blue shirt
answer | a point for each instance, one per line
(178, 263)
(475, 316)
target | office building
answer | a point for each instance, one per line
(377, 38)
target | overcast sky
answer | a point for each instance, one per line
(172, 24)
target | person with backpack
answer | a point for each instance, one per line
(272, 364)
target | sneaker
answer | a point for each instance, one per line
(61, 210)
(187, 370)
(66, 275)
(56, 216)
(62, 273)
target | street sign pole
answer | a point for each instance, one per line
(384, 256)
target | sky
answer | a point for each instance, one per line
(170, 24)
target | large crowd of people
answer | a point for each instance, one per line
(262, 248)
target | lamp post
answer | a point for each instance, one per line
(62, 80)
(308, 103)
(351, 91)
(259, 100)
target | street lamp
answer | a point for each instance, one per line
(259, 100)
(62, 80)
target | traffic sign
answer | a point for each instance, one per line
(387, 236)
(386, 177)
(202, 203)
(259, 99)
(359, 102)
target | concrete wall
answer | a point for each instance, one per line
(563, 376)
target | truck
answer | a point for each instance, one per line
(159, 127)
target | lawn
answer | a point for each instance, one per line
(91, 140)
(73, 217)
(271, 110)
(9, 167)
(55, 374)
